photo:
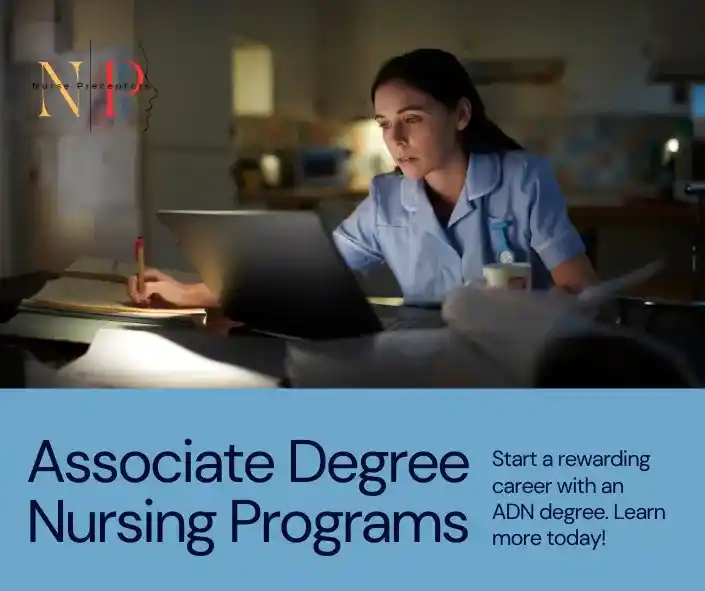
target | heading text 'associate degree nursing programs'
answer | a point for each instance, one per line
(308, 463)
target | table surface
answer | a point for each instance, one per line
(49, 342)
(57, 340)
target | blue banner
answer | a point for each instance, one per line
(348, 489)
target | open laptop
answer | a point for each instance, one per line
(280, 273)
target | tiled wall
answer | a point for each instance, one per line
(602, 151)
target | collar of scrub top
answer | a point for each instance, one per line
(483, 175)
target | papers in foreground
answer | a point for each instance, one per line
(119, 358)
(494, 340)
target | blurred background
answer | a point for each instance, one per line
(266, 104)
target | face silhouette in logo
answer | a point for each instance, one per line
(123, 93)
(151, 91)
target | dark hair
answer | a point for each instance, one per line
(440, 75)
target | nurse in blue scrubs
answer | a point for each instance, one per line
(464, 195)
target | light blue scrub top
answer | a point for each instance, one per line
(510, 203)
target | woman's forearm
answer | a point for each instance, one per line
(202, 296)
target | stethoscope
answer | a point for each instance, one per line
(499, 231)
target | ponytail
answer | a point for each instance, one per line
(483, 136)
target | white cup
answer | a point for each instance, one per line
(508, 276)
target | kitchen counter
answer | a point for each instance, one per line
(634, 211)
(624, 235)
(585, 209)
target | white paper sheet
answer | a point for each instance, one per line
(140, 359)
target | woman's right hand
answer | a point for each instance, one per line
(162, 288)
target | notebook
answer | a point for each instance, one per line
(97, 287)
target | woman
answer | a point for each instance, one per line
(464, 195)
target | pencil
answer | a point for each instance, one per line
(139, 255)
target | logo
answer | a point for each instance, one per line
(71, 91)
(98, 89)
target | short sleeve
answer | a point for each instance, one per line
(356, 236)
(553, 236)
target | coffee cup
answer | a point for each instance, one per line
(508, 276)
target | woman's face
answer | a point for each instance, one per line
(419, 132)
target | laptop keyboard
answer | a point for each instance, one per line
(398, 318)
(405, 324)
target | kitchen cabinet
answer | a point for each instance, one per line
(288, 29)
(294, 87)
(342, 84)
(677, 30)
(609, 77)
(356, 37)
